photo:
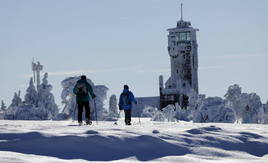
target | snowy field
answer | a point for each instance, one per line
(64, 141)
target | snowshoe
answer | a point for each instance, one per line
(88, 122)
(128, 124)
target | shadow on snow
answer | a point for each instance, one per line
(95, 147)
(244, 141)
(92, 147)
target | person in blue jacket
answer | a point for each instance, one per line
(82, 89)
(125, 103)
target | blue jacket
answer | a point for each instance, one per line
(131, 99)
(89, 88)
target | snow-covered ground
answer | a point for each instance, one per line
(64, 141)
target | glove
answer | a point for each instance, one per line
(94, 96)
(120, 108)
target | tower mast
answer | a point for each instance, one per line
(181, 11)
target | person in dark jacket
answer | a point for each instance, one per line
(125, 103)
(82, 89)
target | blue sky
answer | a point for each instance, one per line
(125, 42)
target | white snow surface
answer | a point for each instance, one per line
(64, 141)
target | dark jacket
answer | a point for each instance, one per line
(131, 99)
(89, 88)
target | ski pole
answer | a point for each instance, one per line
(115, 123)
(95, 112)
(139, 116)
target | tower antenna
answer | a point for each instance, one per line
(181, 11)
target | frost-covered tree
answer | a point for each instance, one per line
(168, 114)
(265, 108)
(195, 101)
(46, 99)
(36, 106)
(214, 109)
(158, 116)
(69, 100)
(233, 95)
(252, 109)
(113, 105)
(31, 96)
(248, 107)
(16, 101)
(149, 111)
(3, 106)
(265, 116)
(113, 113)
(184, 114)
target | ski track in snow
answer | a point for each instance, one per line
(64, 141)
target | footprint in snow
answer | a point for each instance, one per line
(155, 132)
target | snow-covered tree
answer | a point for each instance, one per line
(158, 116)
(195, 101)
(248, 107)
(184, 114)
(69, 99)
(31, 96)
(251, 107)
(214, 109)
(265, 116)
(233, 95)
(113, 112)
(168, 114)
(113, 105)
(265, 108)
(16, 101)
(3, 106)
(36, 106)
(46, 98)
(149, 111)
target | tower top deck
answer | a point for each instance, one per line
(182, 25)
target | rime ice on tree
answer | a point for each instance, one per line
(38, 102)
(69, 100)
(182, 48)
(31, 94)
(113, 105)
(46, 98)
(3, 106)
(16, 101)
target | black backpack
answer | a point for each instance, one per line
(126, 99)
(82, 90)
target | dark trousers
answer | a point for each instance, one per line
(127, 116)
(81, 105)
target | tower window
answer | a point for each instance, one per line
(184, 36)
(188, 37)
(193, 62)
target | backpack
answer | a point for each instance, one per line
(82, 90)
(126, 99)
